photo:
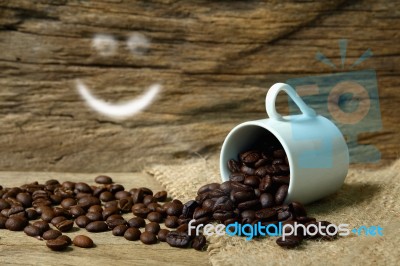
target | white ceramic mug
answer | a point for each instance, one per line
(317, 152)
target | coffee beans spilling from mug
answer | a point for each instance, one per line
(254, 194)
(258, 186)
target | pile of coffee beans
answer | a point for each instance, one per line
(46, 211)
(256, 191)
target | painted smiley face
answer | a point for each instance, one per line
(106, 45)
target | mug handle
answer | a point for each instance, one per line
(271, 98)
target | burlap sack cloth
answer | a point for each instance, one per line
(368, 197)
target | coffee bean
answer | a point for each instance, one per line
(281, 179)
(250, 157)
(57, 220)
(267, 214)
(116, 187)
(148, 238)
(98, 190)
(161, 196)
(199, 242)
(297, 209)
(137, 222)
(289, 242)
(106, 196)
(76, 211)
(103, 179)
(148, 199)
(141, 212)
(138, 196)
(68, 185)
(281, 194)
(66, 238)
(154, 217)
(83, 241)
(283, 215)
(4, 204)
(31, 214)
(247, 170)
(155, 207)
(267, 200)
(16, 210)
(222, 203)
(248, 216)
(152, 227)
(65, 226)
(122, 194)
(86, 202)
(171, 222)
(107, 212)
(138, 206)
(236, 186)
(132, 234)
(207, 188)
(95, 208)
(221, 215)
(115, 222)
(32, 230)
(305, 219)
(112, 203)
(162, 235)
(52, 182)
(252, 180)
(25, 199)
(226, 187)
(51, 234)
(125, 204)
(16, 223)
(263, 170)
(233, 166)
(201, 212)
(82, 221)
(58, 244)
(207, 204)
(174, 209)
(250, 204)
(178, 239)
(241, 196)
(58, 211)
(68, 202)
(97, 226)
(94, 216)
(237, 177)
(261, 162)
(119, 230)
(42, 225)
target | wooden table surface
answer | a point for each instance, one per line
(16, 248)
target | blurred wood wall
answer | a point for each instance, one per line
(215, 60)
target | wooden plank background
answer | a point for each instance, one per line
(215, 60)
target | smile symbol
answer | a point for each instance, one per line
(106, 45)
(122, 110)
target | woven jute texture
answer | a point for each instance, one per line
(368, 197)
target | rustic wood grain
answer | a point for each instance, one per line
(215, 60)
(16, 248)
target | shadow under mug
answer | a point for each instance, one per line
(316, 149)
